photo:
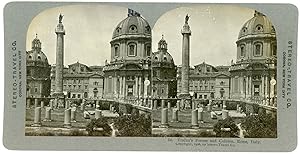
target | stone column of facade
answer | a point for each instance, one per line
(266, 86)
(59, 65)
(136, 86)
(195, 119)
(262, 85)
(37, 117)
(186, 33)
(164, 118)
(67, 119)
(241, 83)
(140, 87)
(114, 82)
(48, 114)
(247, 87)
(178, 104)
(121, 86)
(250, 86)
(145, 88)
(124, 87)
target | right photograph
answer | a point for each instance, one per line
(214, 71)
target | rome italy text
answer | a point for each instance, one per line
(140, 91)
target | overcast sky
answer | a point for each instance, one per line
(89, 30)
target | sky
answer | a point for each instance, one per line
(89, 30)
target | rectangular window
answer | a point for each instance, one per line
(205, 96)
(205, 88)
(79, 86)
(78, 96)
(200, 96)
(85, 86)
(131, 50)
(74, 95)
(212, 87)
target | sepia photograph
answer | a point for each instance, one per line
(202, 70)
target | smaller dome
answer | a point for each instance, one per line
(162, 55)
(259, 24)
(134, 24)
(36, 55)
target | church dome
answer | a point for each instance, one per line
(133, 25)
(256, 26)
(162, 55)
(36, 55)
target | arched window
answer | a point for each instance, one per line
(258, 49)
(117, 50)
(131, 49)
(242, 48)
(165, 58)
(148, 50)
(259, 28)
(132, 29)
(39, 57)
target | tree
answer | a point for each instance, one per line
(260, 126)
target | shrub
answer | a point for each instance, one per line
(226, 123)
(102, 122)
(260, 126)
(133, 125)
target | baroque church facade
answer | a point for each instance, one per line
(253, 75)
(37, 71)
(128, 73)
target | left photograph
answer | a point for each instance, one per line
(88, 71)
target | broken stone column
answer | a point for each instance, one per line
(178, 104)
(82, 106)
(67, 119)
(208, 107)
(164, 118)
(37, 117)
(237, 107)
(195, 119)
(163, 103)
(224, 114)
(98, 114)
(67, 104)
(169, 104)
(200, 115)
(28, 101)
(110, 107)
(51, 104)
(175, 115)
(36, 103)
(48, 114)
(73, 114)
(42, 104)
(155, 104)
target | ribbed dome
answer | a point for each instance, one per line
(36, 55)
(162, 56)
(259, 24)
(132, 25)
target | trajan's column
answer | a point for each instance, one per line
(186, 33)
(60, 32)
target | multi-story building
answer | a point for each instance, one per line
(37, 71)
(208, 82)
(253, 75)
(80, 81)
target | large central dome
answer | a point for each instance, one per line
(133, 25)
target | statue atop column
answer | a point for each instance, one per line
(60, 18)
(187, 17)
